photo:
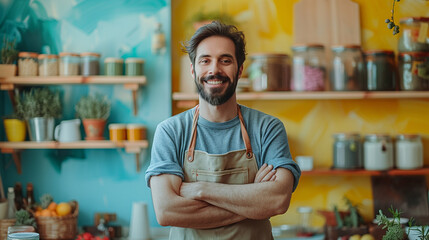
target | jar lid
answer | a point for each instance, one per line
(379, 52)
(377, 137)
(303, 47)
(345, 136)
(268, 55)
(63, 54)
(343, 47)
(28, 54)
(305, 209)
(134, 60)
(409, 20)
(408, 137)
(135, 125)
(113, 60)
(93, 54)
(49, 56)
(413, 54)
(117, 126)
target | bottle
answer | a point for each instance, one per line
(11, 203)
(158, 40)
(19, 200)
(30, 195)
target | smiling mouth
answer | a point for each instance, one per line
(214, 82)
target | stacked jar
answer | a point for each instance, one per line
(347, 151)
(380, 70)
(308, 67)
(269, 72)
(348, 72)
(69, 64)
(413, 57)
(48, 65)
(28, 64)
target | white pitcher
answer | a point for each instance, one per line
(68, 131)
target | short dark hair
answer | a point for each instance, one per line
(217, 28)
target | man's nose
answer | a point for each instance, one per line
(214, 68)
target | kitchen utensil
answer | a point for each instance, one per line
(68, 131)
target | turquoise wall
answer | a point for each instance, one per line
(100, 180)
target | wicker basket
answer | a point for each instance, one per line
(4, 224)
(57, 228)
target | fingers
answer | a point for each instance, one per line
(269, 175)
(265, 173)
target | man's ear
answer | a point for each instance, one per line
(240, 71)
(192, 71)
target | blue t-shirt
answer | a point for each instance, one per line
(267, 137)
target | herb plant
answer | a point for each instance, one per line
(23, 218)
(93, 107)
(38, 102)
(8, 52)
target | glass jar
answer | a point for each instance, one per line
(69, 64)
(414, 34)
(409, 151)
(348, 71)
(308, 68)
(378, 152)
(269, 72)
(380, 70)
(134, 66)
(113, 66)
(413, 70)
(347, 151)
(305, 219)
(48, 65)
(136, 132)
(90, 63)
(118, 132)
(27, 64)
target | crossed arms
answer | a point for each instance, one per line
(203, 205)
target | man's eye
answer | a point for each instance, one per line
(226, 61)
(204, 61)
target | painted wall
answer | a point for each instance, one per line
(268, 26)
(100, 180)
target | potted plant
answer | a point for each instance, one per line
(15, 128)
(8, 57)
(39, 107)
(94, 111)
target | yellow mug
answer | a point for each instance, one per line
(136, 132)
(117, 132)
(15, 130)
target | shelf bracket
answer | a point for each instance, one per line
(134, 88)
(16, 156)
(138, 162)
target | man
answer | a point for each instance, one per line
(204, 173)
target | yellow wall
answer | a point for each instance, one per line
(310, 124)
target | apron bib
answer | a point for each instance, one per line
(235, 167)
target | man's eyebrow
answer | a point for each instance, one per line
(203, 56)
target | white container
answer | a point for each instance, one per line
(378, 152)
(305, 163)
(409, 151)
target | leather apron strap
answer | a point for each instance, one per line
(245, 136)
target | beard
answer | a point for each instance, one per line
(214, 96)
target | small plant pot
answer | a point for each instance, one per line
(7, 70)
(15, 130)
(94, 128)
(41, 129)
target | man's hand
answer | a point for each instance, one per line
(265, 174)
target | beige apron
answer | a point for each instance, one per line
(236, 167)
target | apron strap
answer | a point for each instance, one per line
(191, 148)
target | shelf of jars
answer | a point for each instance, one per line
(363, 172)
(15, 148)
(129, 82)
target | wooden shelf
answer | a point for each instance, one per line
(362, 172)
(130, 82)
(15, 148)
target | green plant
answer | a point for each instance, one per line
(353, 219)
(394, 229)
(93, 107)
(391, 22)
(38, 102)
(8, 52)
(45, 200)
(23, 218)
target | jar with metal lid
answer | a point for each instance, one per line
(409, 151)
(347, 151)
(269, 72)
(414, 34)
(27, 64)
(308, 68)
(413, 68)
(48, 65)
(69, 64)
(90, 63)
(380, 70)
(134, 66)
(378, 152)
(113, 66)
(348, 69)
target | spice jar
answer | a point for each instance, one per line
(347, 151)
(409, 151)
(113, 66)
(136, 132)
(90, 63)
(118, 132)
(27, 64)
(413, 70)
(348, 69)
(134, 66)
(414, 34)
(269, 72)
(378, 152)
(48, 65)
(308, 68)
(69, 64)
(380, 70)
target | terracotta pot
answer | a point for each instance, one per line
(7, 70)
(94, 128)
(15, 130)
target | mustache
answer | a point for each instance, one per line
(216, 76)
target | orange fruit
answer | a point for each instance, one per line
(63, 209)
(45, 213)
(52, 206)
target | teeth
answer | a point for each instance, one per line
(214, 82)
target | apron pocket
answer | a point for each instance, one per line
(230, 176)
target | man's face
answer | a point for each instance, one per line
(216, 70)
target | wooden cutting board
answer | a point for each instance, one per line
(328, 22)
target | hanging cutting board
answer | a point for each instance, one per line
(327, 22)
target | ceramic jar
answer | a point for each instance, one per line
(378, 152)
(409, 151)
(347, 151)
